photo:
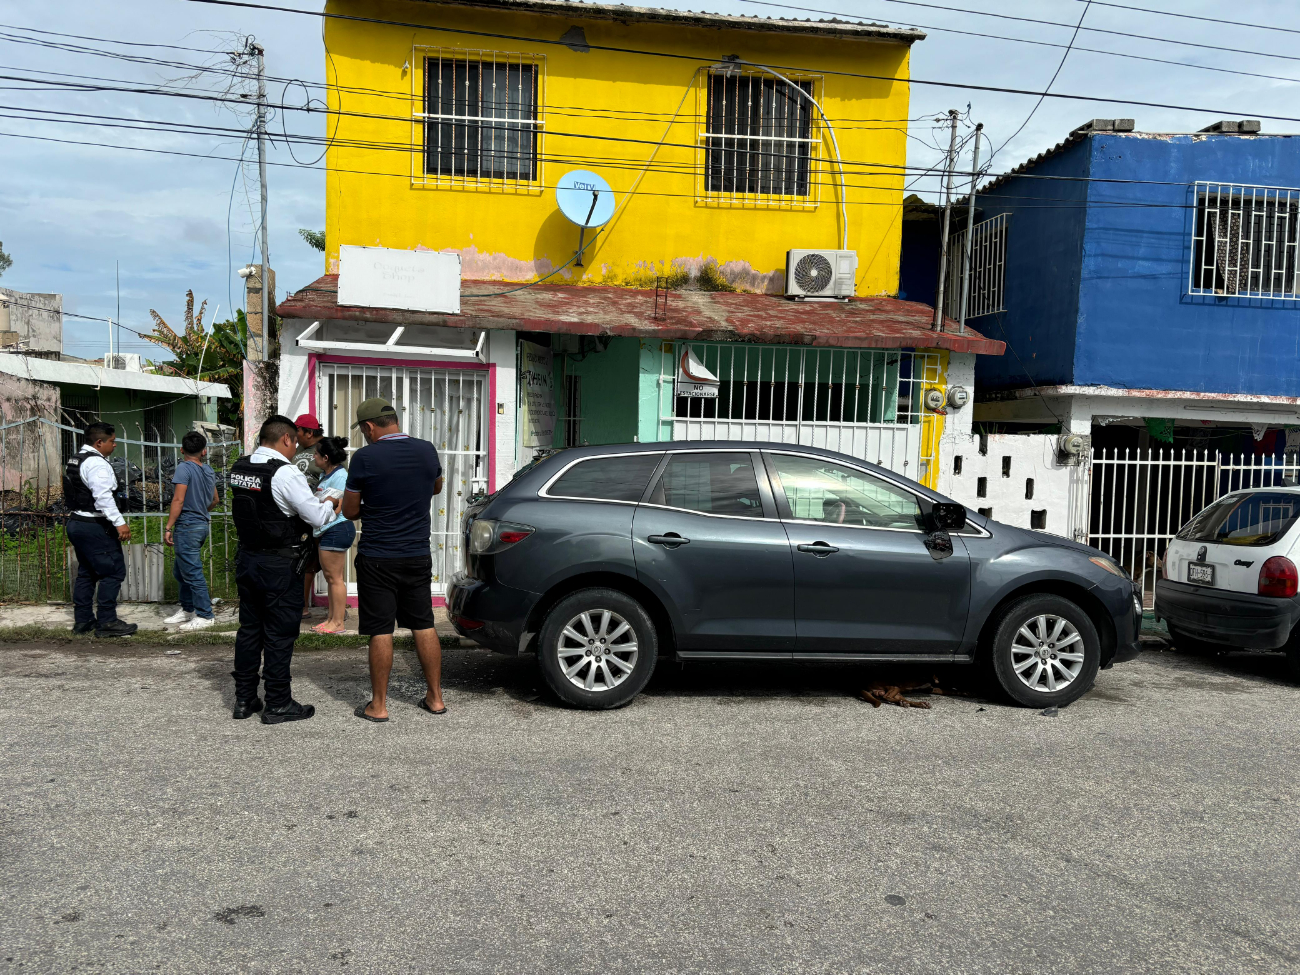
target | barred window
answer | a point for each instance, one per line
(1245, 241)
(759, 135)
(988, 267)
(480, 118)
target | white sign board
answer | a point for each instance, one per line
(536, 395)
(380, 277)
(694, 381)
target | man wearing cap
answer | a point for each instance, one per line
(391, 484)
(309, 435)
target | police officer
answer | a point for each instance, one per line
(96, 530)
(274, 511)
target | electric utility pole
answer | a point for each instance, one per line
(970, 228)
(950, 165)
(261, 173)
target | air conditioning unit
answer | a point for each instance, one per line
(820, 274)
(126, 362)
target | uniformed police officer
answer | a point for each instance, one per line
(96, 530)
(274, 511)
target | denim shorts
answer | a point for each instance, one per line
(339, 538)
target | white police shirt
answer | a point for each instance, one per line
(97, 474)
(292, 494)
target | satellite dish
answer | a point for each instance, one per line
(584, 198)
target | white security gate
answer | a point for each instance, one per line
(447, 407)
(1141, 498)
(861, 402)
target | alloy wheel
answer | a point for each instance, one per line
(1047, 653)
(597, 650)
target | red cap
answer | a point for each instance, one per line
(308, 422)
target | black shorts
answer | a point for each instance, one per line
(394, 590)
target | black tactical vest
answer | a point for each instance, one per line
(76, 495)
(260, 523)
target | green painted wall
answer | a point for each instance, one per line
(126, 409)
(608, 392)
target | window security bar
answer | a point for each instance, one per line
(1244, 241)
(307, 341)
(988, 265)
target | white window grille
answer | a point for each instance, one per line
(988, 270)
(480, 117)
(1244, 241)
(759, 140)
(861, 402)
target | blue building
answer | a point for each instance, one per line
(1148, 288)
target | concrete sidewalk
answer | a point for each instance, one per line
(150, 616)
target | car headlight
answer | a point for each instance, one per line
(1109, 566)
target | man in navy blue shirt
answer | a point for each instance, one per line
(391, 484)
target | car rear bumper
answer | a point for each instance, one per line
(1235, 619)
(492, 615)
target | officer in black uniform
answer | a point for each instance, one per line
(274, 511)
(96, 530)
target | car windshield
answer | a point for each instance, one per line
(1259, 518)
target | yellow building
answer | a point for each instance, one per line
(726, 140)
(713, 145)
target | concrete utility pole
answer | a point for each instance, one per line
(261, 174)
(943, 231)
(970, 228)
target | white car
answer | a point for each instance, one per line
(1231, 577)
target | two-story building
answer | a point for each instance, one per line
(1146, 285)
(725, 143)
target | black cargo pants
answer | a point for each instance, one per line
(270, 614)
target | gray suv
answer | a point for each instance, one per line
(601, 560)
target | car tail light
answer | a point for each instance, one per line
(1278, 577)
(487, 537)
(466, 624)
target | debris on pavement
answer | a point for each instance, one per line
(1051, 712)
(878, 694)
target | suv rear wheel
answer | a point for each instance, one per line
(597, 648)
(1045, 651)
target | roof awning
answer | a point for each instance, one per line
(713, 316)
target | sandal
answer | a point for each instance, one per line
(360, 712)
(424, 705)
(320, 628)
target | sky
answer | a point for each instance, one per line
(70, 214)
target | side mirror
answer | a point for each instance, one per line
(948, 516)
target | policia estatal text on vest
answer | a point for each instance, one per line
(96, 530)
(274, 511)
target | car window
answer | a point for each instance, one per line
(819, 490)
(607, 478)
(1260, 518)
(716, 484)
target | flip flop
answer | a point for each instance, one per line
(360, 712)
(320, 628)
(424, 705)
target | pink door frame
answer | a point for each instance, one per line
(489, 367)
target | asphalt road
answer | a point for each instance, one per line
(732, 819)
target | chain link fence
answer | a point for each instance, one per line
(36, 562)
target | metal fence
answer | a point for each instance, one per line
(1141, 498)
(36, 561)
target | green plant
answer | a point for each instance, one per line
(316, 238)
(6, 262)
(710, 278)
(220, 353)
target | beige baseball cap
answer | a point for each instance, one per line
(373, 409)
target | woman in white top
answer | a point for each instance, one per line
(334, 539)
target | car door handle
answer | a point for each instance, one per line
(672, 540)
(819, 549)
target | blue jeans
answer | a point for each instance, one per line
(99, 563)
(188, 537)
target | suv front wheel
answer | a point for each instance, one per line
(597, 648)
(1045, 651)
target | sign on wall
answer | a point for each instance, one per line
(536, 395)
(693, 380)
(381, 277)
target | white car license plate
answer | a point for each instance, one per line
(1201, 572)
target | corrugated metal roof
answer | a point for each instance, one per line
(85, 374)
(698, 315)
(626, 14)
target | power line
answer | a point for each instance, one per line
(1271, 28)
(1225, 113)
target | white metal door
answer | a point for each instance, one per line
(861, 402)
(1141, 498)
(447, 407)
